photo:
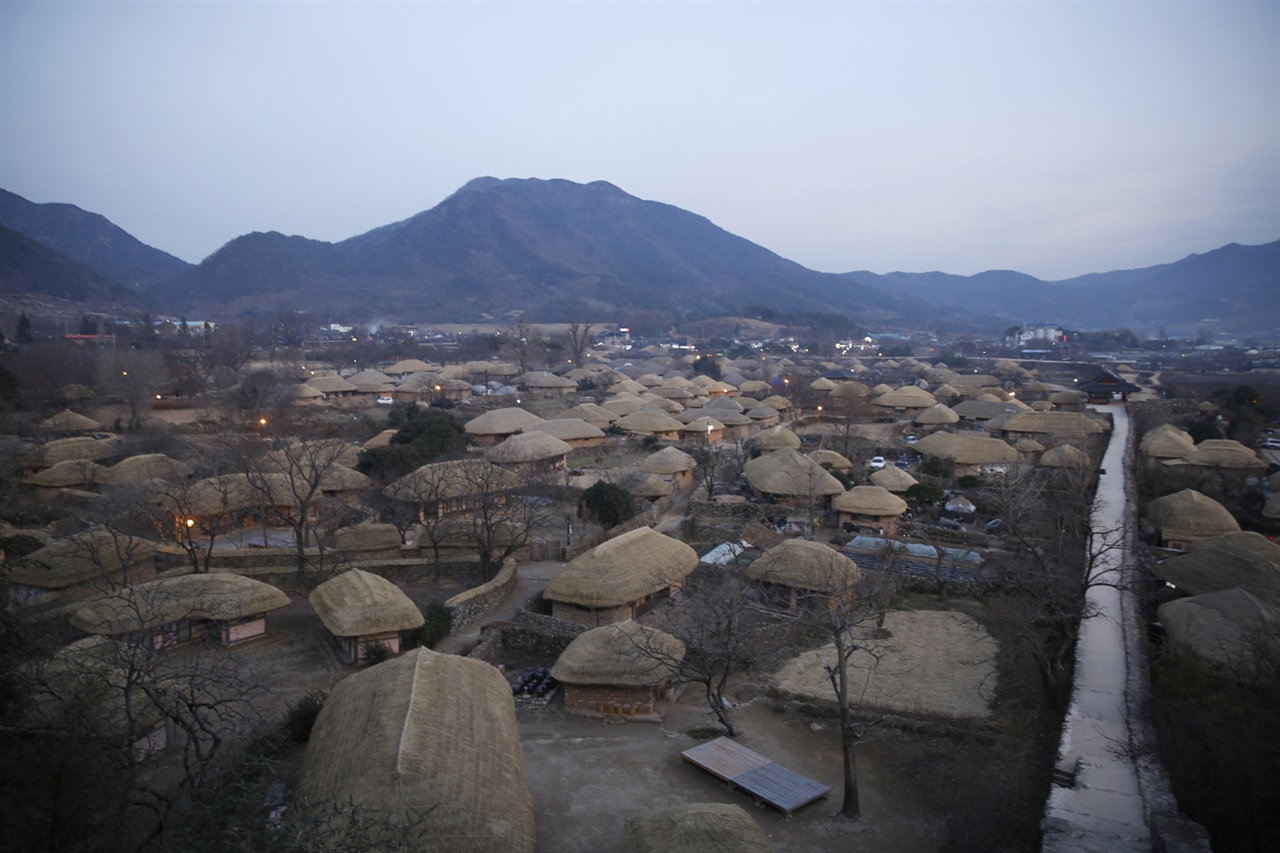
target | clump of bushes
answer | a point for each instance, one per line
(300, 716)
(437, 625)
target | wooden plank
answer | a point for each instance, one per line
(725, 758)
(780, 787)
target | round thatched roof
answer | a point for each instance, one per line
(624, 569)
(775, 438)
(332, 385)
(892, 478)
(1189, 514)
(367, 536)
(1064, 425)
(649, 422)
(1166, 442)
(789, 472)
(625, 654)
(667, 461)
(428, 740)
(148, 466)
(568, 429)
(776, 402)
(1245, 540)
(906, 397)
(936, 414)
(69, 421)
(1066, 398)
(86, 556)
(529, 446)
(543, 379)
(597, 416)
(869, 500)
(831, 459)
(69, 472)
(762, 412)
(216, 595)
(661, 404)
(703, 424)
(408, 365)
(1028, 445)
(501, 422)
(723, 404)
(1064, 456)
(967, 449)
(77, 447)
(804, 564)
(648, 486)
(822, 385)
(382, 439)
(1198, 572)
(1223, 453)
(622, 406)
(754, 386)
(1230, 628)
(438, 481)
(358, 603)
(696, 828)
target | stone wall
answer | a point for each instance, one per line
(474, 603)
(530, 633)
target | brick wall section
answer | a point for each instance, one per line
(603, 700)
(474, 603)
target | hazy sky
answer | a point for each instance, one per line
(1052, 138)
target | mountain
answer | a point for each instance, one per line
(553, 249)
(1233, 288)
(90, 239)
(27, 267)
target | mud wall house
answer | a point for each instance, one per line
(702, 429)
(100, 556)
(1055, 427)
(1179, 519)
(696, 828)
(620, 579)
(971, 454)
(78, 475)
(772, 439)
(76, 448)
(428, 742)
(868, 508)
(361, 609)
(671, 464)
(788, 478)
(1166, 442)
(494, 426)
(457, 487)
(530, 455)
(647, 422)
(802, 573)
(230, 609)
(619, 670)
(575, 432)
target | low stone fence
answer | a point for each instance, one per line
(474, 603)
(648, 518)
(712, 509)
(530, 634)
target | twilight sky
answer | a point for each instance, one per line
(1052, 138)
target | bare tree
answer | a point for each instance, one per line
(579, 337)
(134, 376)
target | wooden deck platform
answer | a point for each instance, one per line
(766, 780)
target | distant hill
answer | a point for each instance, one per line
(1235, 287)
(555, 250)
(89, 239)
(26, 267)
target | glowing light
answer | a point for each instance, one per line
(191, 522)
(262, 421)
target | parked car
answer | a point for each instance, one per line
(996, 526)
(901, 463)
(1271, 442)
(911, 439)
(385, 401)
(876, 463)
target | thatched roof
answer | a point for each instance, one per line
(69, 472)
(906, 397)
(967, 449)
(1231, 628)
(77, 447)
(648, 421)
(568, 429)
(1028, 445)
(85, 556)
(216, 595)
(703, 425)
(648, 486)
(428, 740)
(804, 564)
(624, 654)
(892, 478)
(831, 459)
(597, 416)
(775, 438)
(367, 536)
(789, 472)
(457, 478)
(309, 456)
(661, 404)
(1245, 540)
(1065, 456)
(1166, 442)
(1067, 398)
(722, 404)
(869, 500)
(1189, 514)
(667, 461)
(985, 410)
(776, 402)
(1224, 453)
(408, 365)
(1198, 572)
(501, 422)
(624, 569)
(332, 385)
(529, 446)
(357, 604)
(69, 421)
(148, 466)
(382, 439)
(696, 828)
(936, 414)
(230, 493)
(1066, 425)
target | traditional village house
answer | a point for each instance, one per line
(619, 670)
(832, 461)
(493, 426)
(1070, 427)
(770, 440)
(407, 367)
(787, 477)
(428, 741)
(1230, 629)
(1166, 442)
(673, 465)
(907, 398)
(227, 608)
(1225, 454)
(1225, 567)
(1184, 516)
(449, 488)
(646, 422)
(662, 405)
(704, 428)
(148, 466)
(805, 573)
(332, 386)
(574, 432)
(623, 405)
(80, 447)
(971, 454)
(648, 487)
(361, 609)
(696, 828)
(1247, 540)
(596, 416)
(871, 508)
(78, 475)
(546, 384)
(763, 416)
(100, 555)
(776, 402)
(892, 478)
(935, 416)
(304, 394)
(68, 421)
(382, 439)
(977, 413)
(1066, 457)
(1105, 386)
(1030, 449)
(530, 454)
(1068, 401)
(621, 578)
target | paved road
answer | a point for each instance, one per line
(1103, 811)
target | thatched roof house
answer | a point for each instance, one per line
(1199, 572)
(360, 608)
(1065, 456)
(367, 536)
(1166, 442)
(1224, 453)
(529, 453)
(776, 438)
(1187, 515)
(703, 428)
(597, 416)
(493, 426)
(93, 555)
(1230, 628)
(872, 507)
(788, 476)
(648, 422)
(230, 608)
(445, 488)
(332, 386)
(575, 432)
(906, 397)
(148, 466)
(696, 828)
(672, 464)
(620, 578)
(892, 478)
(1064, 426)
(84, 447)
(66, 474)
(69, 421)
(971, 454)
(801, 566)
(1245, 540)
(936, 415)
(831, 460)
(622, 669)
(428, 741)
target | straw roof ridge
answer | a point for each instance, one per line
(892, 478)
(869, 500)
(667, 461)
(622, 653)
(1167, 442)
(1065, 456)
(147, 466)
(804, 564)
(357, 603)
(529, 446)
(68, 472)
(623, 569)
(696, 828)
(1223, 453)
(216, 595)
(775, 438)
(789, 472)
(69, 421)
(1246, 540)
(501, 422)
(79, 558)
(1190, 513)
(966, 449)
(568, 429)
(1203, 571)
(1066, 424)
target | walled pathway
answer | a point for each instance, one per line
(1103, 809)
